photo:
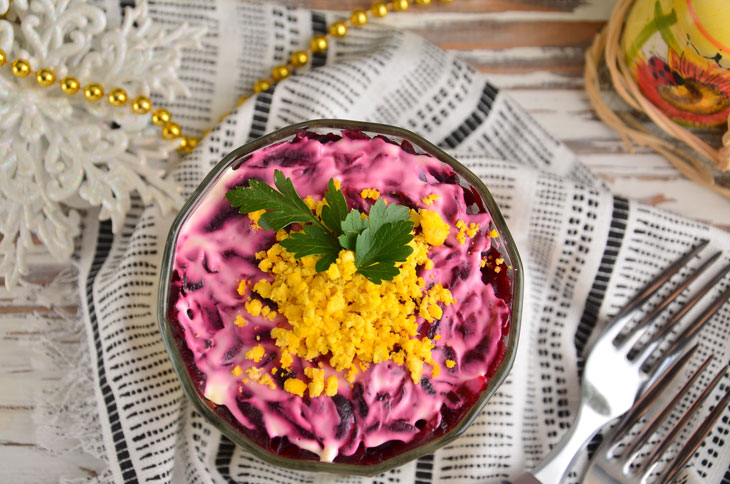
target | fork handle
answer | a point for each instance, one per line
(553, 467)
(526, 478)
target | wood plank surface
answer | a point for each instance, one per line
(532, 49)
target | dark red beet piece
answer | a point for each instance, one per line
(359, 400)
(499, 280)
(354, 134)
(347, 419)
(192, 286)
(408, 147)
(227, 211)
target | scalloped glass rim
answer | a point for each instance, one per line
(506, 246)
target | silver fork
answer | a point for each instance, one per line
(615, 372)
(619, 462)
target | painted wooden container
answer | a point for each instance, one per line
(679, 54)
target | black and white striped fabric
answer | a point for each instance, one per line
(586, 251)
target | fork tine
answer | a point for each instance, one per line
(650, 395)
(695, 440)
(659, 280)
(654, 342)
(694, 327)
(637, 332)
(668, 439)
(621, 320)
(652, 426)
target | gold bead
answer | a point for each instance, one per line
(423, 3)
(21, 68)
(187, 144)
(280, 72)
(400, 5)
(45, 77)
(93, 92)
(241, 100)
(299, 58)
(261, 85)
(3, 57)
(379, 9)
(338, 29)
(171, 130)
(161, 117)
(359, 17)
(318, 43)
(446, 1)
(117, 97)
(141, 105)
(70, 85)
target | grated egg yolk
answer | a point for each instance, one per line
(429, 199)
(242, 287)
(295, 386)
(259, 376)
(255, 216)
(340, 313)
(370, 193)
(316, 384)
(256, 353)
(433, 227)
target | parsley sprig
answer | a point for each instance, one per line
(379, 240)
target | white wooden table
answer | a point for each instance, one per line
(532, 49)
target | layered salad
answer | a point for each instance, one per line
(341, 297)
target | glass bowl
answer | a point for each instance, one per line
(220, 417)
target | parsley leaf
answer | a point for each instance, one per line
(381, 214)
(377, 251)
(379, 240)
(352, 226)
(283, 208)
(314, 240)
(336, 209)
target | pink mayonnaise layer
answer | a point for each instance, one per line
(215, 250)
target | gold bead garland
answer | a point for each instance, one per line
(117, 97)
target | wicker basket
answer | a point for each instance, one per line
(701, 155)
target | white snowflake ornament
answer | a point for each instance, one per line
(60, 153)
